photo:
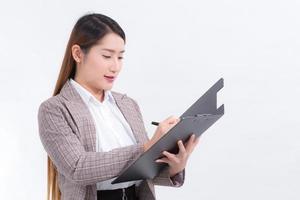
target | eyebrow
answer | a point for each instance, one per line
(113, 51)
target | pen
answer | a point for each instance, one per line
(155, 123)
(185, 117)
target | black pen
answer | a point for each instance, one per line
(155, 123)
(185, 117)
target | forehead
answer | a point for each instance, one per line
(111, 42)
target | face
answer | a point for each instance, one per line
(99, 67)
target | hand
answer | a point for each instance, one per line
(177, 162)
(161, 130)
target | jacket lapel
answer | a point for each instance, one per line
(81, 115)
(126, 106)
(84, 120)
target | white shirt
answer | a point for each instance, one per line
(112, 129)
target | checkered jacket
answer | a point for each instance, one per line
(68, 135)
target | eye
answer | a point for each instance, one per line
(120, 58)
(106, 56)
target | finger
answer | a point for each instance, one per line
(163, 160)
(194, 144)
(182, 150)
(167, 124)
(171, 157)
(172, 119)
(190, 143)
(191, 139)
(197, 141)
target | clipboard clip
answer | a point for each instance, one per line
(194, 116)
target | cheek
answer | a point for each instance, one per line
(97, 66)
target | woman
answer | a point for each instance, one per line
(91, 133)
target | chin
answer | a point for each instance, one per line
(107, 87)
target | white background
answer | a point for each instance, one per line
(175, 51)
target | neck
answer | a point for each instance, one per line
(98, 94)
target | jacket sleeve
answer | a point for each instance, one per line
(68, 154)
(163, 178)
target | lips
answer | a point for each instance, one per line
(109, 78)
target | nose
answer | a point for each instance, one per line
(115, 65)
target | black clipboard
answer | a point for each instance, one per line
(196, 119)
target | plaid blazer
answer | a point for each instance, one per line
(68, 134)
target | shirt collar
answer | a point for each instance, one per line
(87, 96)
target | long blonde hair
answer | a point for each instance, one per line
(88, 30)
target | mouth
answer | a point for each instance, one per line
(109, 78)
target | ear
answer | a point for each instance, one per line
(77, 53)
